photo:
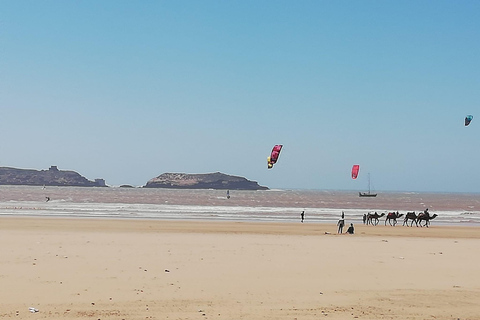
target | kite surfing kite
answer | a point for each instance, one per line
(274, 156)
(355, 169)
(468, 119)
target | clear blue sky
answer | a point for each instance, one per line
(127, 90)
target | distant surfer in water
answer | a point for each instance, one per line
(48, 199)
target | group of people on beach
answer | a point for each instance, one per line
(340, 223)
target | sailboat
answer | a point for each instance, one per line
(367, 194)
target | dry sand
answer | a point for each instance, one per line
(151, 269)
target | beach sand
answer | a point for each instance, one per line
(153, 269)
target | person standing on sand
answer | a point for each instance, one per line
(302, 215)
(364, 218)
(340, 225)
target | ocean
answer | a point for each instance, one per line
(262, 206)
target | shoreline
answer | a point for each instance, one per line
(285, 206)
(357, 220)
(116, 224)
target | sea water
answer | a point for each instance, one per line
(320, 206)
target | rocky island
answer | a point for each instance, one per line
(50, 177)
(215, 180)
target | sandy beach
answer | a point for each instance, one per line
(155, 269)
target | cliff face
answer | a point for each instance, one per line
(215, 180)
(50, 177)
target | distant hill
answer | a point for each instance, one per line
(50, 177)
(215, 180)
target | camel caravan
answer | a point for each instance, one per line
(422, 219)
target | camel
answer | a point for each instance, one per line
(373, 218)
(425, 217)
(393, 216)
(410, 216)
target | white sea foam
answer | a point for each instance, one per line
(280, 205)
(208, 212)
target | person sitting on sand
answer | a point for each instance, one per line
(350, 229)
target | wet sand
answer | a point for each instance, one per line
(154, 269)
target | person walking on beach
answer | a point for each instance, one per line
(340, 225)
(350, 229)
(302, 215)
(364, 218)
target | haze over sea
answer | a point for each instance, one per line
(260, 206)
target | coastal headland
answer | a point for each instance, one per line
(51, 177)
(215, 180)
(55, 177)
(157, 269)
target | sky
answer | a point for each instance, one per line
(128, 90)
